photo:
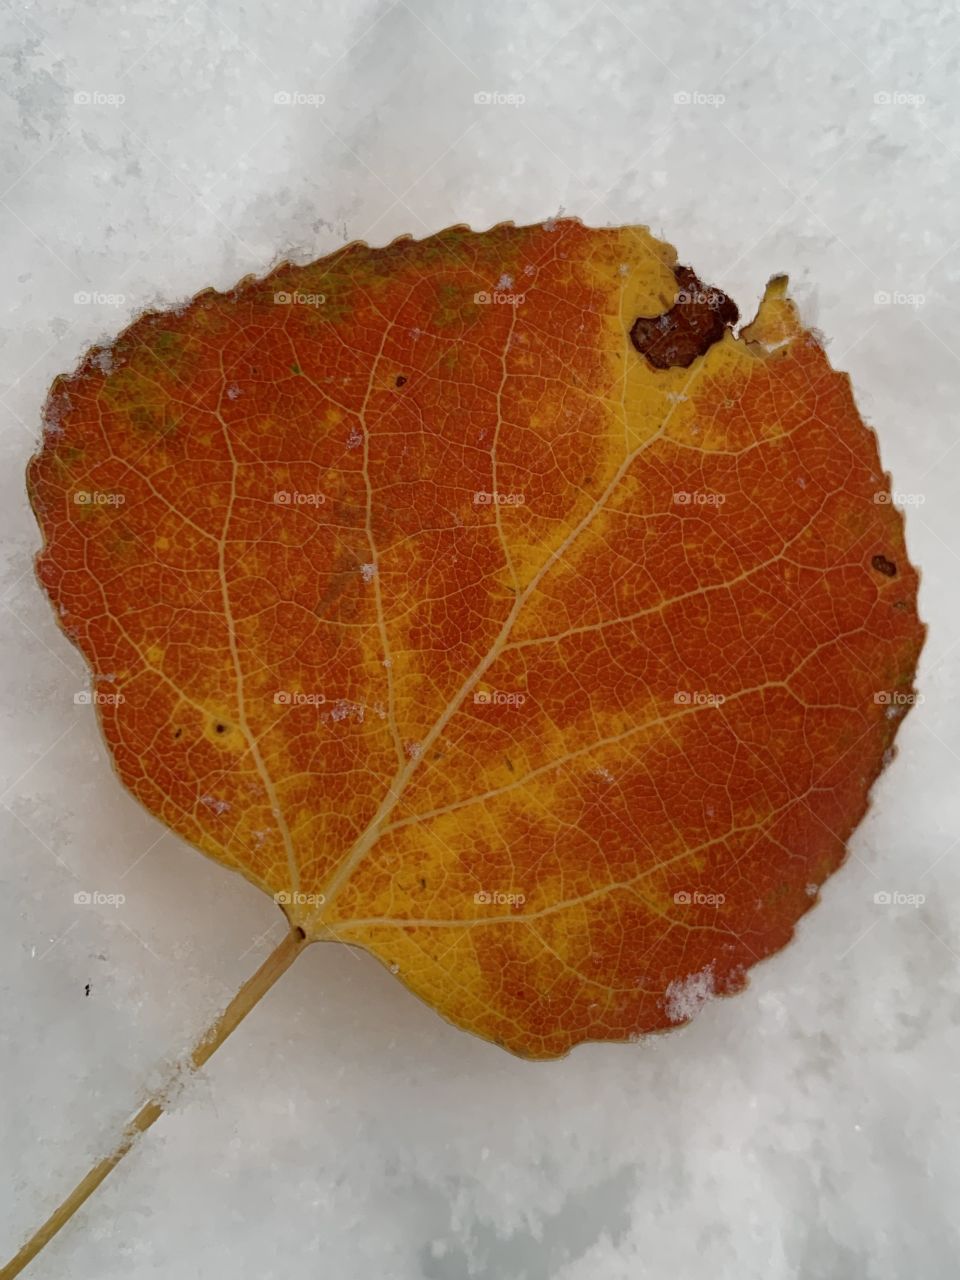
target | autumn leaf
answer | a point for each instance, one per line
(491, 605)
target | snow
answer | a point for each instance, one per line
(685, 997)
(806, 1128)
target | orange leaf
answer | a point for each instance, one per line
(489, 603)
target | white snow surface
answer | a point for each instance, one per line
(806, 1128)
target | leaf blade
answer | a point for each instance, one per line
(544, 620)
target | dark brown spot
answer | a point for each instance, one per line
(86, 989)
(699, 318)
(177, 733)
(220, 728)
(423, 883)
(508, 762)
(401, 380)
(884, 566)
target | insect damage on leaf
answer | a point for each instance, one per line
(698, 318)
(493, 606)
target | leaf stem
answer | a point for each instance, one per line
(249, 995)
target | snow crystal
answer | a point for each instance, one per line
(685, 997)
(343, 709)
(217, 806)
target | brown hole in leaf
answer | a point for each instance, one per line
(699, 318)
(884, 566)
